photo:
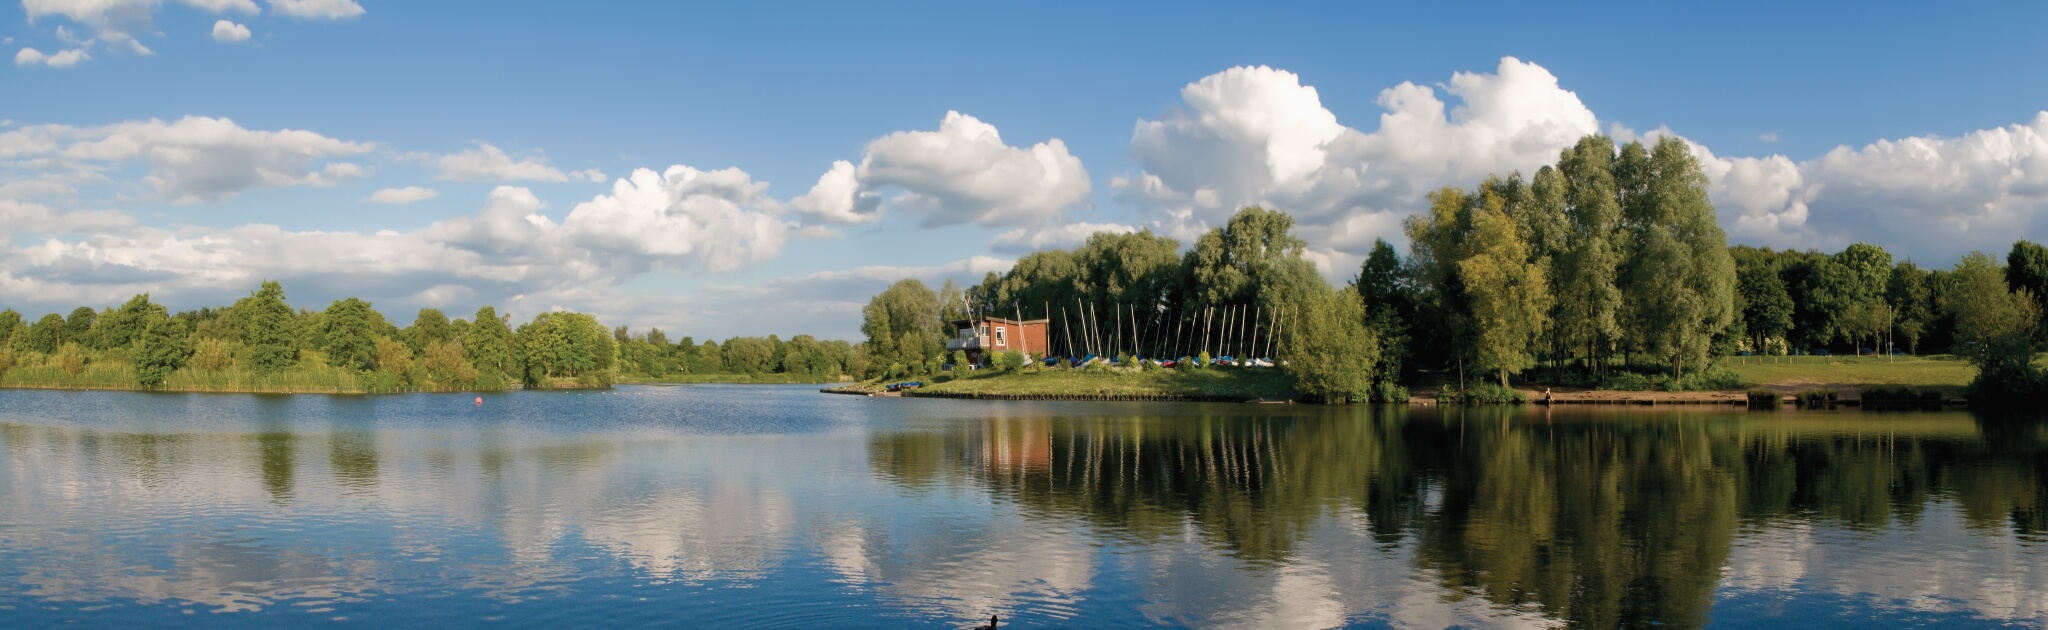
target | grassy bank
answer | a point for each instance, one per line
(1942, 373)
(1222, 382)
(758, 379)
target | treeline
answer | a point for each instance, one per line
(1607, 267)
(652, 355)
(262, 338)
(1243, 289)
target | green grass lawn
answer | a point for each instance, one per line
(1946, 374)
(1245, 383)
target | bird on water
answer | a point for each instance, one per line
(991, 625)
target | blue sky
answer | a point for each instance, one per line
(1918, 128)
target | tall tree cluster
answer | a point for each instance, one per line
(1609, 252)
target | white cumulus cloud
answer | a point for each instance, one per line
(963, 173)
(1257, 135)
(838, 198)
(1065, 236)
(488, 163)
(408, 194)
(60, 59)
(195, 159)
(1941, 195)
(227, 31)
(316, 9)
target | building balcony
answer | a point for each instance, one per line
(967, 343)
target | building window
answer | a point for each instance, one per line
(999, 336)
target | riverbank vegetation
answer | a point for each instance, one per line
(1606, 269)
(261, 344)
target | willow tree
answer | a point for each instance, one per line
(902, 323)
(1679, 278)
(1330, 351)
(1586, 270)
(1510, 298)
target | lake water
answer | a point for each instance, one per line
(741, 506)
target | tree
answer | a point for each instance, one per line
(43, 336)
(489, 344)
(1587, 270)
(1329, 350)
(1681, 279)
(268, 328)
(121, 327)
(351, 331)
(161, 349)
(446, 366)
(1912, 300)
(428, 327)
(394, 358)
(1766, 306)
(902, 322)
(749, 355)
(78, 327)
(1510, 298)
(1994, 328)
(10, 322)
(2026, 269)
(564, 344)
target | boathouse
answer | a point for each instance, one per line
(978, 337)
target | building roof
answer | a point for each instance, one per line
(963, 323)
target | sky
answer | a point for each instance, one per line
(757, 168)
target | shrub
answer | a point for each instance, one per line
(1714, 378)
(960, 360)
(212, 355)
(1389, 392)
(1629, 382)
(1763, 399)
(1203, 360)
(70, 359)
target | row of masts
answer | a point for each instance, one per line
(1237, 330)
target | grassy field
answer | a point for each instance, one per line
(1226, 382)
(1946, 374)
(728, 378)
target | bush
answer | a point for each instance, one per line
(1714, 378)
(1763, 399)
(1203, 360)
(213, 355)
(1629, 382)
(1389, 392)
(70, 359)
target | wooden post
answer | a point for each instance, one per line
(1023, 331)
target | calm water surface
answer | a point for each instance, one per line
(738, 506)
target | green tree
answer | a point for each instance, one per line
(395, 360)
(44, 336)
(489, 344)
(562, 344)
(1912, 298)
(902, 322)
(2026, 269)
(351, 331)
(1510, 298)
(10, 322)
(1329, 350)
(428, 327)
(268, 328)
(120, 328)
(78, 327)
(1994, 326)
(161, 349)
(1766, 306)
(749, 355)
(1681, 279)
